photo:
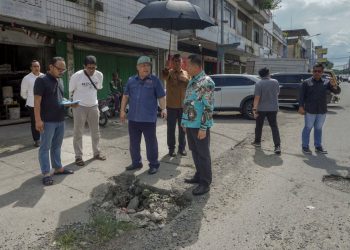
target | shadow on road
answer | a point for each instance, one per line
(330, 165)
(31, 191)
(267, 160)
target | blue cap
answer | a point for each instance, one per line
(144, 59)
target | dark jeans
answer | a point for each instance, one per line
(148, 129)
(35, 133)
(201, 155)
(272, 119)
(174, 116)
(116, 101)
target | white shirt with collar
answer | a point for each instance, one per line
(27, 88)
(82, 88)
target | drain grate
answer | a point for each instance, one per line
(337, 182)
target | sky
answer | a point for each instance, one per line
(331, 18)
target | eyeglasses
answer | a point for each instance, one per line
(91, 67)
(60, 69)
(317, 71)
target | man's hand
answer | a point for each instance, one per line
(164, 114)
(39, 125)
(122, 116)
(301, 110)
(255, 114)
(183, 128)
(202, 134)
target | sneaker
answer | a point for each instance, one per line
(200, 189)
(277, 150)
(152, 171)
(171, 153)
(182, 152)
(306, 150)
(256, 144)
(320, 150)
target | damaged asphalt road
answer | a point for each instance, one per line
(257, 201)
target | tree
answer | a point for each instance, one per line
(268, 4)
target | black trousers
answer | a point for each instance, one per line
(35, 133)
(272, 119)
(174, 117)
(201, 155)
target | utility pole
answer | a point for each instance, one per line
(220, 66)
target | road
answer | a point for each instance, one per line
(258, 200)
(262, 201)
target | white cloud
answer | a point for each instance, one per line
(328, 17)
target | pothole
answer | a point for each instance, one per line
(337, 182)
(129, 200)
(122, 205)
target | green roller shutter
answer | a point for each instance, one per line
(107, 64)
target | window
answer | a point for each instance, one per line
(242, 27)
(213, 8)
(230, 15)
(217, 81)
(231, 81)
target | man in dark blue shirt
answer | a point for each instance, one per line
(142, 93)
(313, 104)
(49, 119)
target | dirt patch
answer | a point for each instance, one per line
(122, 205)
(337, 182)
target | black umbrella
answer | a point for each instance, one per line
(173, 15)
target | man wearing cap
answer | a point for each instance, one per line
(142, 92)
(83, 86)
(176, 84)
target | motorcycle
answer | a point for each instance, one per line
(104, 109)
(105, 114)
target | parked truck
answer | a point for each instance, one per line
(277, 65)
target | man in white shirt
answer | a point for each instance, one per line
(27, 87)
(83, 85)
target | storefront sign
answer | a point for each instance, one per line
(31, 10)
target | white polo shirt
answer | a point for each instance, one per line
(27, 88)
(82, 88)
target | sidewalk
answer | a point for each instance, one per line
(29, 210)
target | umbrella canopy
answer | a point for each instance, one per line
(173, 15)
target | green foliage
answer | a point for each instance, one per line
(101, 228)
(268, 4)
(67, 239)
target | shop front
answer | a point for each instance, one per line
(18, 47)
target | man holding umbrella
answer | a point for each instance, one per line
(176, 84)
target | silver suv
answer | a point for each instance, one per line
(235, 92)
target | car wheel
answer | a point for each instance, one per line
(247, 109)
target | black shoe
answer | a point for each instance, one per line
(132, 167)
(37, 144)
(320, 150)
(191, 181)
(277, 150)
(172, 153)
(152, 170)
(306, 150)
(182, 152)
(256, 144)
(199, 190)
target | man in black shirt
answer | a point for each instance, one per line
(49, 119)
(313, 104)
